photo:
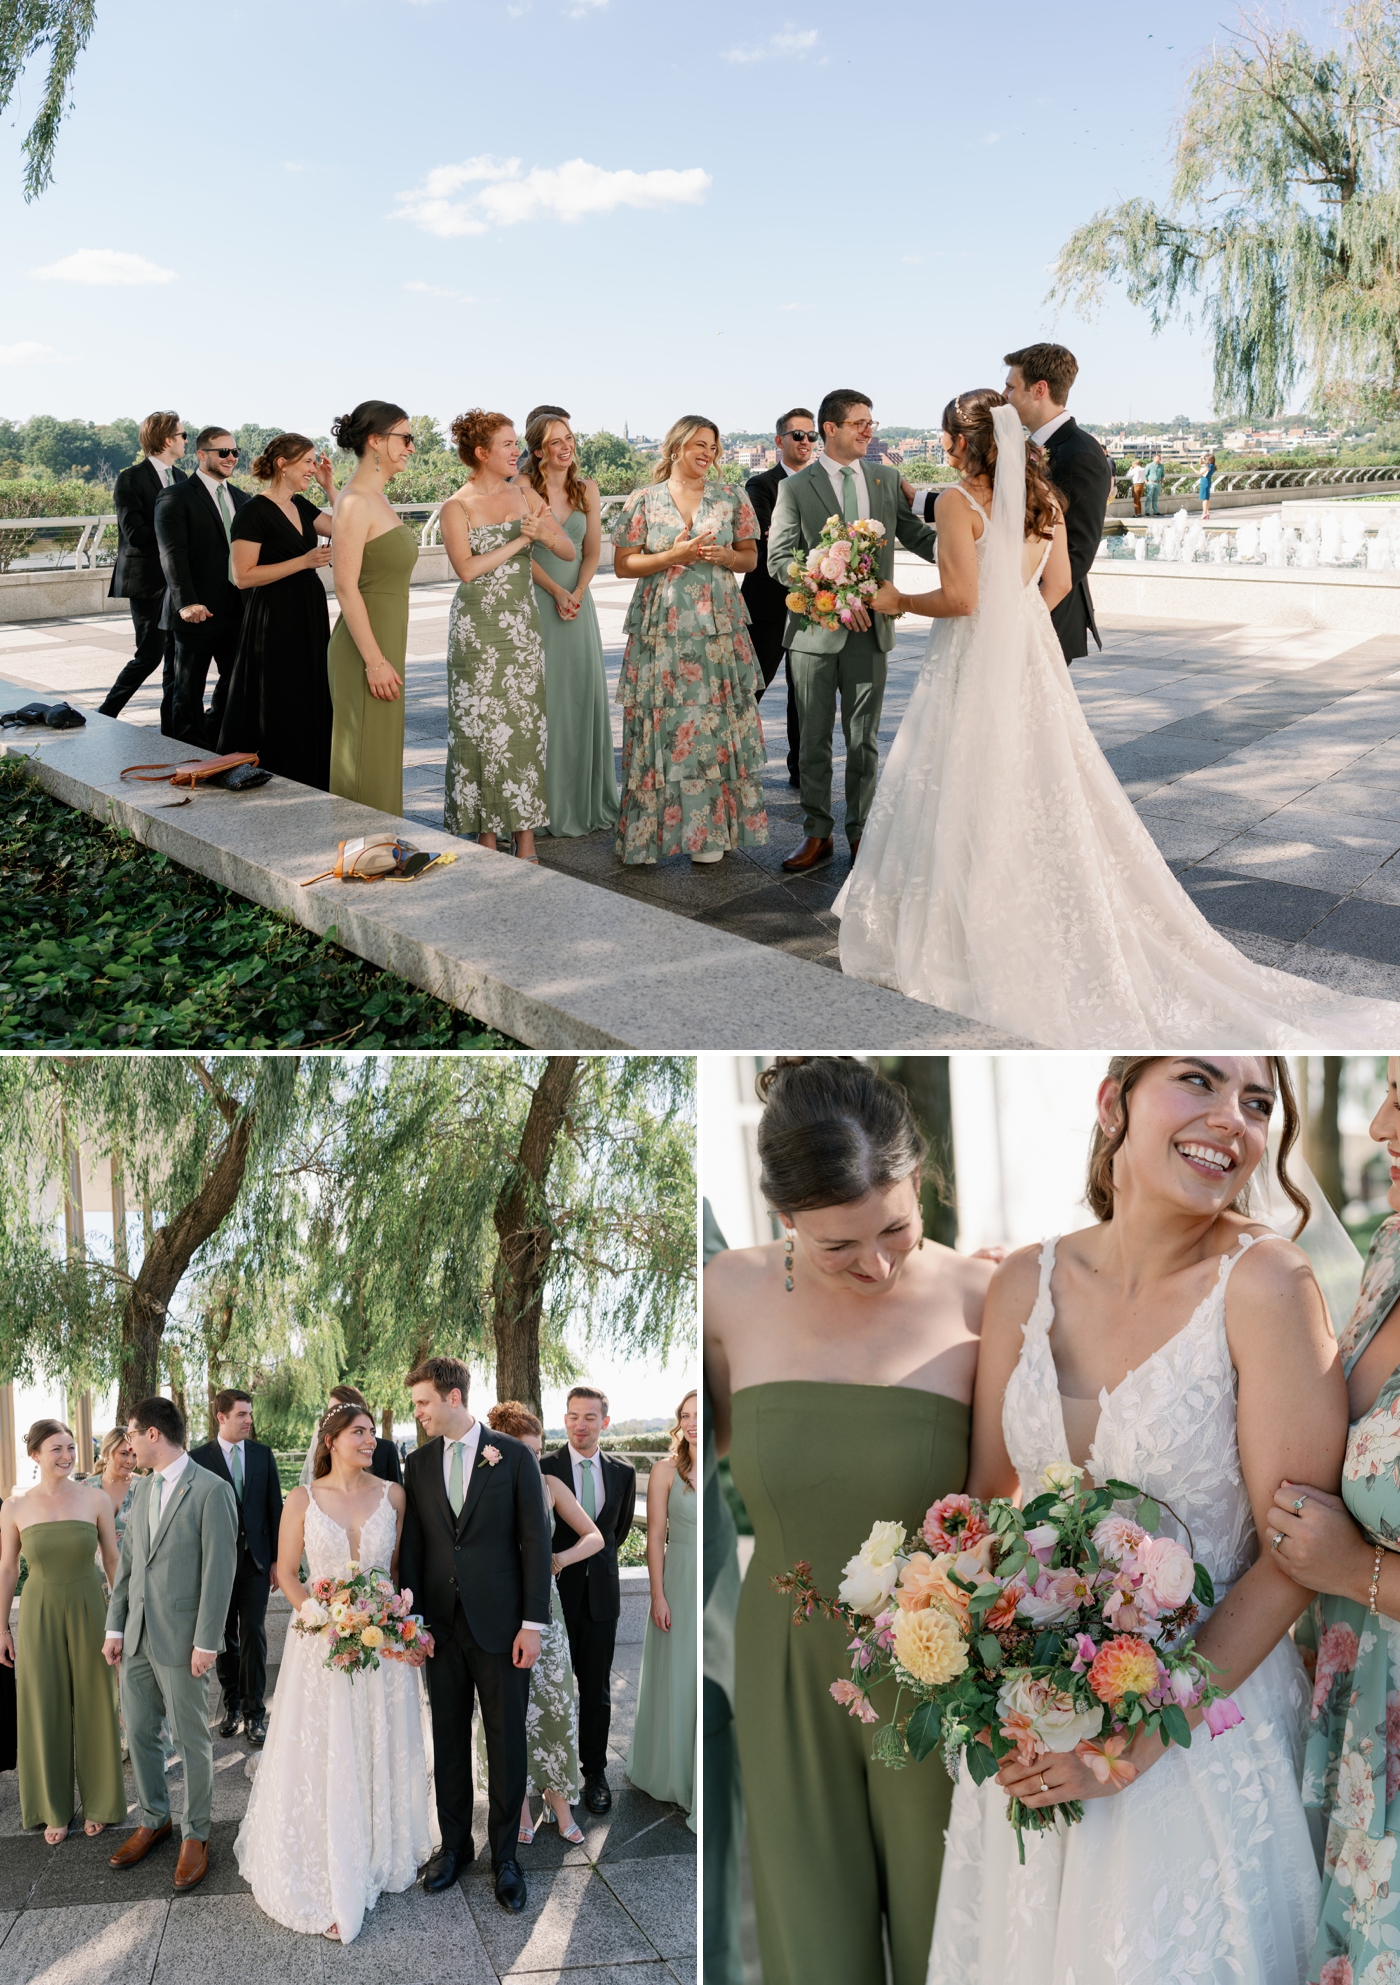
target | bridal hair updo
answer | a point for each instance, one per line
(354, 431)
(333, 1424)
(281, 450)
(1127, 1071)
(677, 434)
(476, 429)
(970, 415)
(833, 1130)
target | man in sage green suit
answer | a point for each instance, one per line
(849, 666)
(165, 1626)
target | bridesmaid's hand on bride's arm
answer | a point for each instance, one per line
(889, 600)
(1322, 1550)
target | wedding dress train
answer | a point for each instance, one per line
(1202, 1870)
(342, 1806)
(1004, 873)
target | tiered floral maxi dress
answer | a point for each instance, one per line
(1351, 1768)
(495, 696)
(692, 744)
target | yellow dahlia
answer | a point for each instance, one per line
(796, 603)
(1121, 1667)
(372, 1637)
(930, 1646)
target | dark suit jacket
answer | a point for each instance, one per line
(493, 1559)
(764, 595)
(1082, 473)
(194, 550)
(137, 573)
(592, 1587)
(386, 1462)
(260, 1512)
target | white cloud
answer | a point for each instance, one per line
(991, 138)
(103, 265)
(581, 9)
(568, 192)
(789, 40)
(17, 354)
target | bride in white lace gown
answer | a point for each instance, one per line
(1004, 873)
(1180, 1347)
(342, 1804)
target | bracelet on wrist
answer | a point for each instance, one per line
(1371, 1595)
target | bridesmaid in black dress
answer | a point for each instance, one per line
(279, 698)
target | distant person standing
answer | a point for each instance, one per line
(250, 1469)
(1207, 481)
(137, 574)
(1038, 382)
(194, 530)
(661, 1760)
(766, 597)
(1137, 482)
(279, 698)
(1153, 484)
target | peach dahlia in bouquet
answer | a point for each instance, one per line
(839, 572)
(1063, 1626)
(363, 1621)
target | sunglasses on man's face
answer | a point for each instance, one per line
(799, 434)
(224, 454)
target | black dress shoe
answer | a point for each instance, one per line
(596, 1795)
(229, 1726)
(255, 1729)
(510, 1886)
(442, 1871)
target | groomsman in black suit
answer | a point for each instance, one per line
(386, 1464)
(137, 575)
(1038, 381)
(475, 1553)
(194, 526)
(251, 1471)
(590, 1593)
(796, 436)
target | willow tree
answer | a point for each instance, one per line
(28, 30)
(1282, 227)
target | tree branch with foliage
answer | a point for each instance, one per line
(27, 29)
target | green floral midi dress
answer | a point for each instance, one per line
(551, 1716)
(495, 696)
(1351, 1769)
(692, 745)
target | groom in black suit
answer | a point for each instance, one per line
(250, 1469)
(1038, 381)
(475, 1553)
(194, 525)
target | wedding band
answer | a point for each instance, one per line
(1278, 1539)
(1298, 1506)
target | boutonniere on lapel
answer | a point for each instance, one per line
(489, 1457)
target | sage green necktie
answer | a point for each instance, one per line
(226, 513)
(849, 512)
(590, 1503)
(454, 1480)
(238, 1472)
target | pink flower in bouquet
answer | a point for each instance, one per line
(1002, 1612)
(1084, 1652)
(953, 1523)
(1120, 1608)
(844, 616)
(1056, 1596)
(1041, 1540)
(1184, 1687)
(1107, 1762)
(1222, 1715)
(1123, 1666)
(1117, 1537)
(851, 1699)
(1168, 1575)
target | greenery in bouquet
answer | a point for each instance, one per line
(1063, 1626)
(838, 573)
(364, 1621)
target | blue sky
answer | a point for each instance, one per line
(324, 200)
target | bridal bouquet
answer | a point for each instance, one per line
(364, 1621)
(839, 573)
(1058, 1627)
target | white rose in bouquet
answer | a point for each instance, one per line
(884, 1541)
(312, 1613)
(1049, 1713)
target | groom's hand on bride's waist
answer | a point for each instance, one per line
(526, 1651)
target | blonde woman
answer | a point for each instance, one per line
(662, 1758)
(692, 744)
(580, 779)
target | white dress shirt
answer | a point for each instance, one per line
(1042, 434)
(168, 1477)
(834, 470)
(593, 1461)
(471, 1443)
(163, 471)
(214, 484)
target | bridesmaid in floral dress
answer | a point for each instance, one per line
(692, 745)
(495, 657)
(1347, 1550)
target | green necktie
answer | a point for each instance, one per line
(238, 1472)
(226, 513)
(159, 1481)
(590, 1504)
(454, 1480)
(849, 512)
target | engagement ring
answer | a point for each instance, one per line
(1043, 1785)
(1278, 1540)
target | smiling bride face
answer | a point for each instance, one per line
(1198, 1127)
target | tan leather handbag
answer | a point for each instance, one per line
(373, 858)
(190, 771)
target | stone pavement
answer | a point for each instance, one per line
(620, 1910)
(1265, 762)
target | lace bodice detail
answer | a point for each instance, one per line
(980, 544)
(1168, 1427)
(328, 1546)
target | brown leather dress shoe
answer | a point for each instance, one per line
(138, 1845)
(193, 1864)
(811, 854)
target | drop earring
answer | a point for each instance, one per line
(787, 1259)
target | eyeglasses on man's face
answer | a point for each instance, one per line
(862, 426)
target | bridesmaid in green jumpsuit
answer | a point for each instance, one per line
(842, 1358)
(373, 559)
(67, 1719)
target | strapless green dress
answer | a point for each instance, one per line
(662, 1758)
(836, 1841)
(367, 731)
(66, 1707)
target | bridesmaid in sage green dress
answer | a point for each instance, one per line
(580, 774)
(495, 657)
(661, 1760)
(841, 1387)
(373, 559)
(67, 1718)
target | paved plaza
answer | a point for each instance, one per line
(1264, 761)
(620, 1910)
